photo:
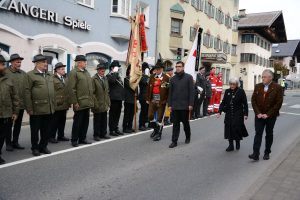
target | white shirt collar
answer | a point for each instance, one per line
(40, 71)
(159, 75)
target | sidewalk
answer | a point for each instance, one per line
(284, 182)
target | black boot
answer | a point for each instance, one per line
(155, 128)
(238, 145)
(157, 137)
(230, 147)
(254, 156)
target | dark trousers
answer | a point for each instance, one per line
(5, 129)
(143, 119)
(260, 125)
(58, 124)
(80, 125)
(114, 115)
(128, 116)
(197, 106)
(39, 124)
(205, 105)
(180, 116)
(13, 136)
(100, 124)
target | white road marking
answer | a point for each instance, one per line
(82, 147)
(295, 106)
(287, 113)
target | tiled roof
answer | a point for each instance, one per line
(264, 19)
(285, 49)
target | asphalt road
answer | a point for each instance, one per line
(135, 168)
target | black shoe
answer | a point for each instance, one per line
(18, 146)
(153, 134)
(63, 139)
(230, 148)
(142, 128)
(74, 144)
(2, 161)
(35, 152)
(172, 145)
(96, 138)
(254, 156)
(157, 137)
(238, 145)
(127, 131)
(84, 142)
(119, 132)
(105, 137)
(53, 140)
(266, 156)
(45, 150)
(113, 134)
(9, 147)
(187, 140)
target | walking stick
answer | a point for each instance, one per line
(163, 121)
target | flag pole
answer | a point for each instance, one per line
(200, 30)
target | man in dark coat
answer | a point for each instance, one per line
(199, 92)
(181, 101)
(143, 118)
(128, 104)
(235, 107)
(61, 105)
(20, 80)
(266, 102)
(102, 103)
(116, 92)
(207, 93)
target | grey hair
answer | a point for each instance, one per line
(234, 80)
(268, 71)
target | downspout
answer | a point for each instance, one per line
(156, 39)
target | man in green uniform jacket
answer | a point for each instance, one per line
(20, 81)
(61, 104)
(9, 105)
(81, 96)
(40, 103)
(102, 103)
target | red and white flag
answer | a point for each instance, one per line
(192, 58)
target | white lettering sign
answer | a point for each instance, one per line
(43, 14)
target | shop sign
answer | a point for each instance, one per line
(213, 57)
(43, 14)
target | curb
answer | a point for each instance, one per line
(257, 185)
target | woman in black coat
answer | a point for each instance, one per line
(235, 107)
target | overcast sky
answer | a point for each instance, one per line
(290, 8)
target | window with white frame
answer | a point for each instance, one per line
(121, 7)
(193, 33)
(88, 3)
(176, 26)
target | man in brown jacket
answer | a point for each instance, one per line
(266, 102)
(157, 96)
